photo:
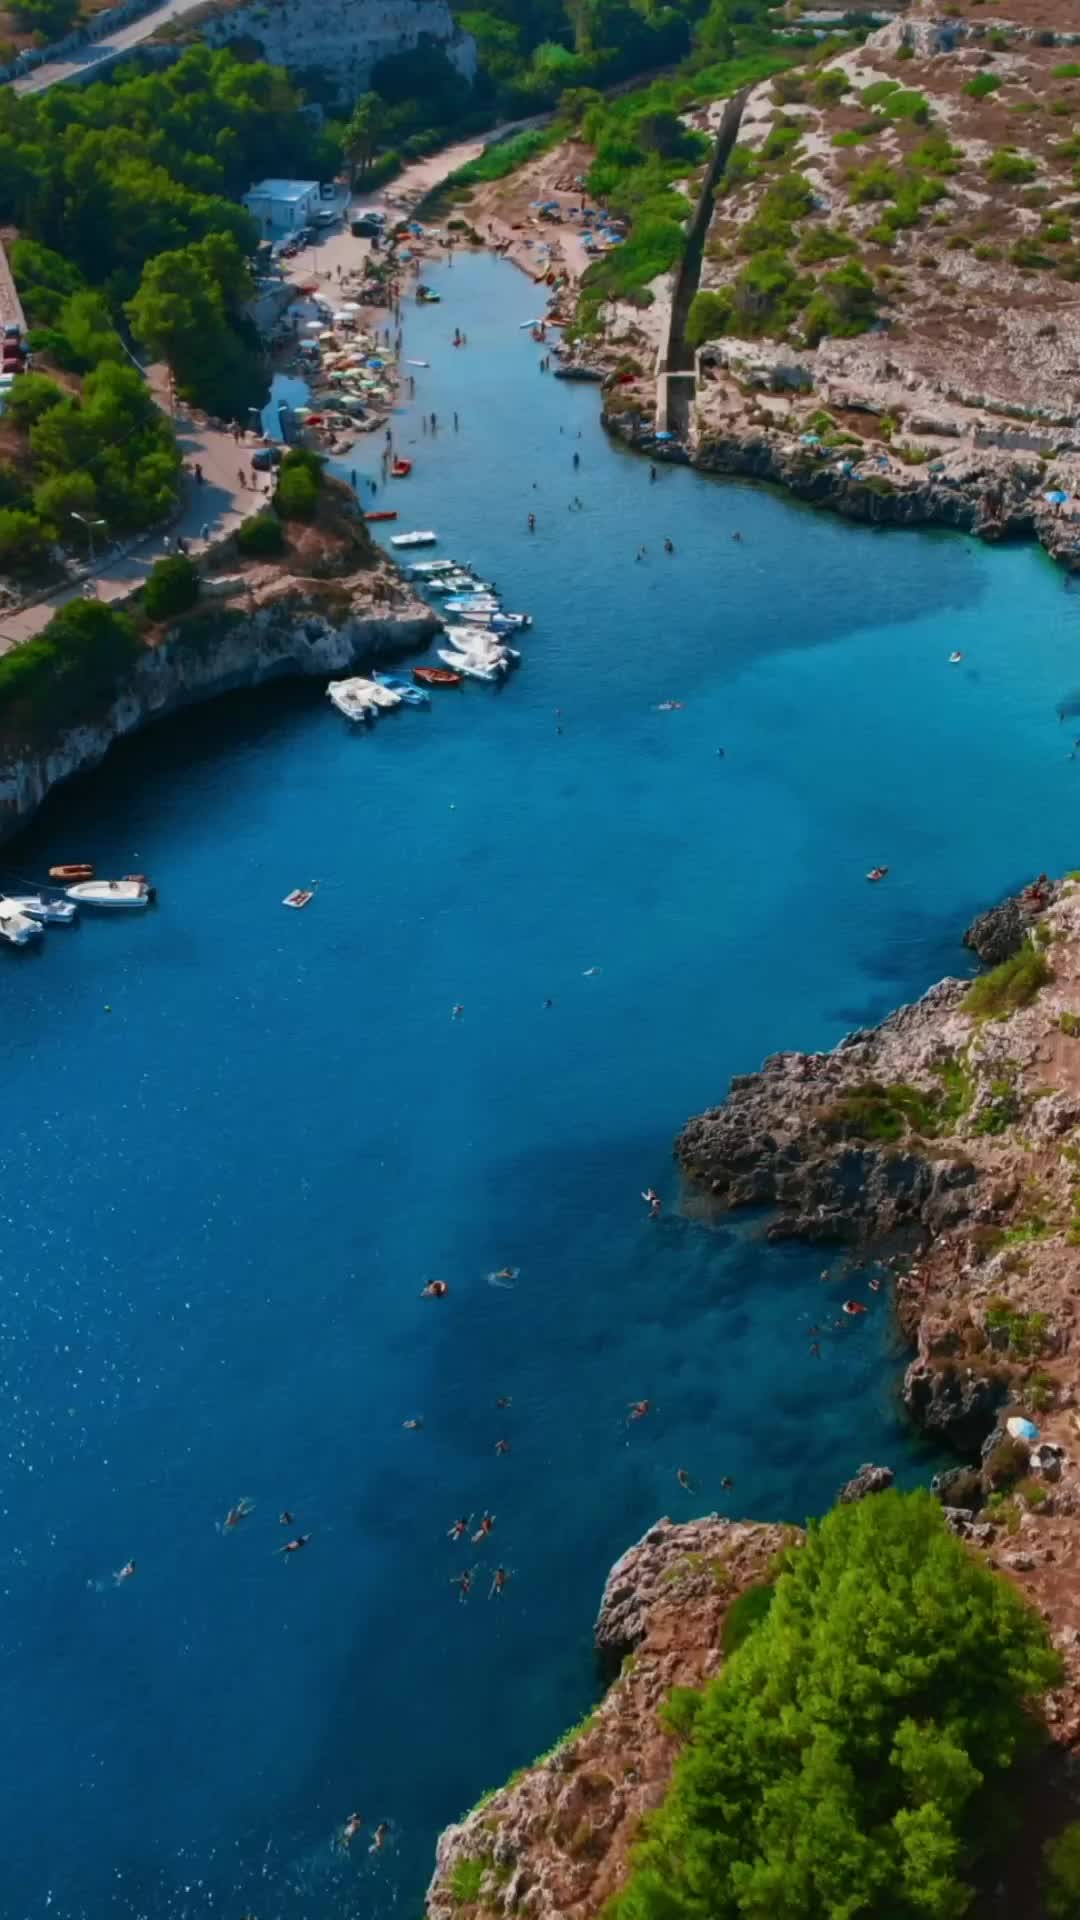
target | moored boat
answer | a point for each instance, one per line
(406, 692)
(352, 698)
(436, 677)
(50, 913)
(422, 537)
(401, 469)
(111, 893)
(299, 897)
(475, 666)
(17, 928)
(78, 870)
(380, 516)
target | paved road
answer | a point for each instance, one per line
(100, 52)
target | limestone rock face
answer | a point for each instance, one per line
(868, 1480)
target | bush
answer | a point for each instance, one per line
(299, 481)
(32, 395)
(1014, 984)
(1007, 1464)
(25, 541)
(744, 1615)
(824, 243)
(1009, 168)
(853, 1757)
(66, 673)
(261, 535)
(173, 587)
(830, 87)
(874, 182)
(465, 1881)
(982, 85)
(1062, 1858)
(680, 1710)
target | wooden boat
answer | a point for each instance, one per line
(299, 897)
(79, 870)
(380, 516)
(401, 469)
(437, 677)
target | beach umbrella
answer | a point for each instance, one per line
(1022, 1429)
(1056, 498)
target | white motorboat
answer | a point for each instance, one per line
(475, 666)
(17, 928)
(110, 893)
(481, 644)
(351, 698)
(423, 569)
(484, 603)
(51, 913)
(422, 538)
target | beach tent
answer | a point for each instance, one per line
(1056, 498)
(1021, 1429)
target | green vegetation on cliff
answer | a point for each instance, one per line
(853, 1757)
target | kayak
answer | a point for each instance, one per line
(401, 468)
(437, 677)
(380, 516)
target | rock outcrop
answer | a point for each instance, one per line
(868, 1480)
(553, 1843)
(307, 629)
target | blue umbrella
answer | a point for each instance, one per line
(1057, 498)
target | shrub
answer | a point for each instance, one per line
(1014, 984)
(172, 587)
(679, 1711)
(744, 1615)
(982, 85)
(299, 481)
(1062, 1858)
(261, 535)
(465, 1881)
(877, 181)
(1069, 1024)
(853, 1756)
(1007, 1464)
(1010, 168)
(25, 541)
(62, 676)
(824, 243)
(830, 86)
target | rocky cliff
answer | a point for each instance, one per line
(553, 1842)
(340, 39)
(260, 628)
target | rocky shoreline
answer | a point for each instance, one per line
(251, 628)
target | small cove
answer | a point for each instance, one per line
(221, 1198)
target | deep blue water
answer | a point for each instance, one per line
(236, 1140)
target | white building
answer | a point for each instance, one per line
(280, 206)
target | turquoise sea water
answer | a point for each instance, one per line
(236, 1140)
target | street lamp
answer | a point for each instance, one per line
(89, 525)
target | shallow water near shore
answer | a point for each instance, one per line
(236, 1140)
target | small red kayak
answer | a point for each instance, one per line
(380, 516)
(401, 468)
(78, 871)
(437, 677)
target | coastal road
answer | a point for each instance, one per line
(96, 53)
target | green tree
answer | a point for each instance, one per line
(172, 587)
(1062, 1857)
(32, 397)
(364, 130)
(50, 18)
(57, 498)
(25, 543)
(853, 1757)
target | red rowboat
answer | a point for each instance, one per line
(380, 516)
(437, 677)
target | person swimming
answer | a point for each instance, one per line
(236, 1514)
(684, 1480)
(487, 1521)
(506, 1273)
(457, 1011)
(285, 1518)
(294, 1546)
(854, 1306)
(350, 1830)
(464, 1583)
(639, 1409)
(727, 1483)
(378, 1838)
(125, 1572)
(435, 1290)
(669, 546)
(460, 1527)
(502, 1446)
(504, 1400)
(498, 1581)
(412, 1426)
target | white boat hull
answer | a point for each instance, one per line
(110, 894)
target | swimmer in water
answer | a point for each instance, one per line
(590, 973)
(236, 1514)
(294, 1546)
(285, 1518)
(412, 1426)
(684, 1480)
(639, 1409)
(502, 1446)
(727, 1483)
(854, 1306)
(435, 1290)
(498, 1581)
(547, 1004)
(460, 1527)
(874, 1286)
(815, 1350)
(457, 1012)
(504, 1401)
(350, 1830)
(464, 1583)
(506, 1273)
(650, 1195)
(669, 546)
(487, 1521)
(378, 1838)
(125, 1572)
